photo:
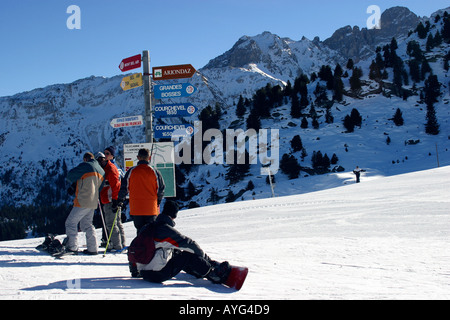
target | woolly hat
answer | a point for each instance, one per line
(111, 150)
(171, 209)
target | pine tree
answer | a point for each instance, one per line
(296, 143)
(355, 79)
(394, 45)
(398, 118)
(430, 42)
(356, 117)
(348, 124)
(398, 74)
(230, 197)
(350, 64)
(295, 106)
(240, 108)
(326, 162)
(304, 123)
(437, 39)
(326, 75)
(432, 90)
(315, 122)
(432, 125)
(301, 86)
(338, 86)
(421, 31)
(253, 120)
(425, 69)
(321, 95)
(191, 192)
(414, 70)
(375, 72)
(328, 116)
(289, 165)
(261, 103)
(446, 28)
(334, 159)
(387, 56)
(288, 89)
(320, 162)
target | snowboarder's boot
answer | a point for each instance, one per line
(46, 244)
(219, 273)
(55, 247)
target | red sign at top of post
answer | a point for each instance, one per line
(130, 63)
(173, 72)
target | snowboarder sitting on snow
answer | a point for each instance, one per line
(357, 172)
(176, 252)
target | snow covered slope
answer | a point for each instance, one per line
(386, 238)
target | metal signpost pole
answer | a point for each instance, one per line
(147, 97)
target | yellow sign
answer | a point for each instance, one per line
(131, 82)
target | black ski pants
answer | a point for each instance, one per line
(141, 221)
(181, 261)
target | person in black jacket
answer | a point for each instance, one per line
(357, 173)
(176, 252)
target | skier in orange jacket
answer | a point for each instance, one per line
(145, 187)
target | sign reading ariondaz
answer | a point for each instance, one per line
(162, 158)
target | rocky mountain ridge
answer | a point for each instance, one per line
(62, 121)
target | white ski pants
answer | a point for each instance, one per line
(84, 217)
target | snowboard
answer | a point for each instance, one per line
(237, 277)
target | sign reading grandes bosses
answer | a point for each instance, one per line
(173, 131)
(176, 90)
(174, 110)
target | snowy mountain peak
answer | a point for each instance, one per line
(45, 131)
(356, 43)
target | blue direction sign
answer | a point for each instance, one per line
(173, 131)
(174, 110)
(176, 90)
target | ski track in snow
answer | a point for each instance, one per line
(382, 239)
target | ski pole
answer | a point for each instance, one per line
(103, 219)
(112, 228)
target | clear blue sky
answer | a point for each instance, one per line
(37, 49)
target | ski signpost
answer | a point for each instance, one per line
(177, 90)
(131, 82)
(173, 72)
(127, 122)
(174, 110)
(162, 151)
(173, 130)
(130, 63)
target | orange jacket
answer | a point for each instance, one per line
(111, 189)
(145, 187)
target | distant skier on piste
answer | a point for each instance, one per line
(171, 252)
(357, 173)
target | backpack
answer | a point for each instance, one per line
(142, 248)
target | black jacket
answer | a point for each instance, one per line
(167, 239)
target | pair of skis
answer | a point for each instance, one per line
(62, 254)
